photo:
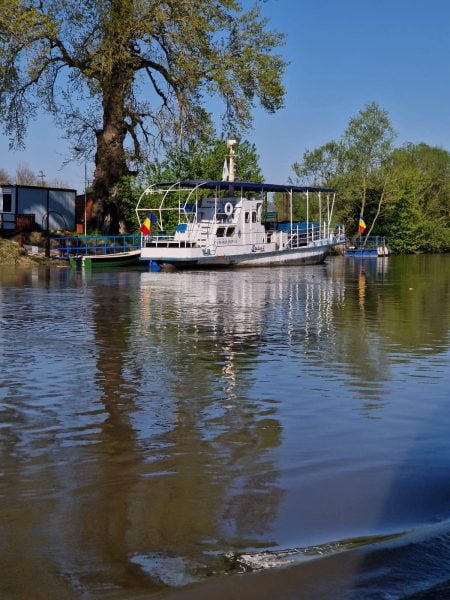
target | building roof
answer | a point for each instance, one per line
(36, 187)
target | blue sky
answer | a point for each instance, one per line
(343, 54)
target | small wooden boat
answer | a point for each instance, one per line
(119, 259)
(94, 251)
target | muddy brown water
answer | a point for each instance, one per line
(171, 434)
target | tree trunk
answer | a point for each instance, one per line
(363, 205)
(377, 214)
(363, 201)
(110, 161)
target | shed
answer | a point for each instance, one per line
(28, 207)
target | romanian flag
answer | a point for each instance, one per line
(361, 225)
(147, 224)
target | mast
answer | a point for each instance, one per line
(229, 166)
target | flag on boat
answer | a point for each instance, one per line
(361, 225)
(145, 227)
(147, 224)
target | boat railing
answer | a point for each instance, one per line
(94, 245)
(338, 235)
(300, 237)
(227, 241)
(373, 241)
(165, 241)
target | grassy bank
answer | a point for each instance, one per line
(11, 254)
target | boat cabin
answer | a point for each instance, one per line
(226, 220)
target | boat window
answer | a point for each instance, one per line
(230, 231)
(258, 211)
(220, 231)
(247, 217)
(253, 217)
(7, 202)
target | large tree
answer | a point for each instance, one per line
(119, 74)
(367, 144)
(359, 164)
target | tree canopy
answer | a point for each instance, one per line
(402, 193)
(121, 75)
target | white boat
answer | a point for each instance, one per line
(226, 224)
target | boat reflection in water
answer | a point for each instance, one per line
(185, 466)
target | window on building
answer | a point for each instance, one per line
(7, 201)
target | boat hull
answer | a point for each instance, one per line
(122, 259)
(368, 252)
(295, 257)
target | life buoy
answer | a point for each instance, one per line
(228, 209)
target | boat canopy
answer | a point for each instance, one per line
(243, 185)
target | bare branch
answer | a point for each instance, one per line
(146, 64)
(156, 87)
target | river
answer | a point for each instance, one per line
(281, 431)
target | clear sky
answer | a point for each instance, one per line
(343, 54)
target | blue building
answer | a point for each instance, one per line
(29, 207)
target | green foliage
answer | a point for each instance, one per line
(129, 192)
(299, 212)
(418, 214)
(206, 161)
(403, 193)
(367, 141)
(321, 165)
(199, 161)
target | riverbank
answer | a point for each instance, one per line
(12, 254)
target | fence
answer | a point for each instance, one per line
(94, 245)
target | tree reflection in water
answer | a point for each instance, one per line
(184, 465)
